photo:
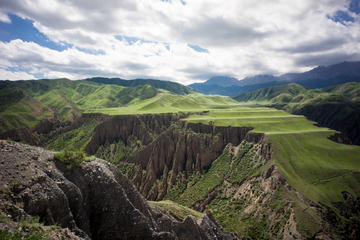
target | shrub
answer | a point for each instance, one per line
(209, 212)
(72, 159)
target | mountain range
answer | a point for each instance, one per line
(320, 77)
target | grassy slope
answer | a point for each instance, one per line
(164, 103)
(24, 113)
(318, 167)
(172, 87)
(68, 98)
(281, 93)
(297, 96)
(350, 90)
(9, 96)
(18, 110)
(264, 120)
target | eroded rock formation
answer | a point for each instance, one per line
(95, 201)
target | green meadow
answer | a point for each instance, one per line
(318, 167)
(264, 120)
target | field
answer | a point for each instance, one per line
(265, 120)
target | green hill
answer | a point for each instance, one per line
(69, 98)
(283, 93)
(9, 96)
(24, 103)
(172, 87)
(24, 113)
(350, 90)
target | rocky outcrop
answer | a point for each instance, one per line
(122, 127)
(95, 201)
(339, 138)
(185, 147)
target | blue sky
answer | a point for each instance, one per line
(176, 40)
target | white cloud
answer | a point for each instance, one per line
(19, 75)
(4, 17)
(243, 38)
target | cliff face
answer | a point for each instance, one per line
(95, 201)
(184, 148)
(122, 127)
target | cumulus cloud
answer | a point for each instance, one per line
(18, 75)
(242, 38)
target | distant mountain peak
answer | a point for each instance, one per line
(223, 81)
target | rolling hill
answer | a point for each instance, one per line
(62, 98)
(172, 87)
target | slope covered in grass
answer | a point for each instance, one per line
(166, 103)
(172, 87)
(26, 112)
(318, 167)
(263, 120)
(283, 93)
(67, 99)
(350, 90)
(9, 96)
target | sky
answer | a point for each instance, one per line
(184, 41)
